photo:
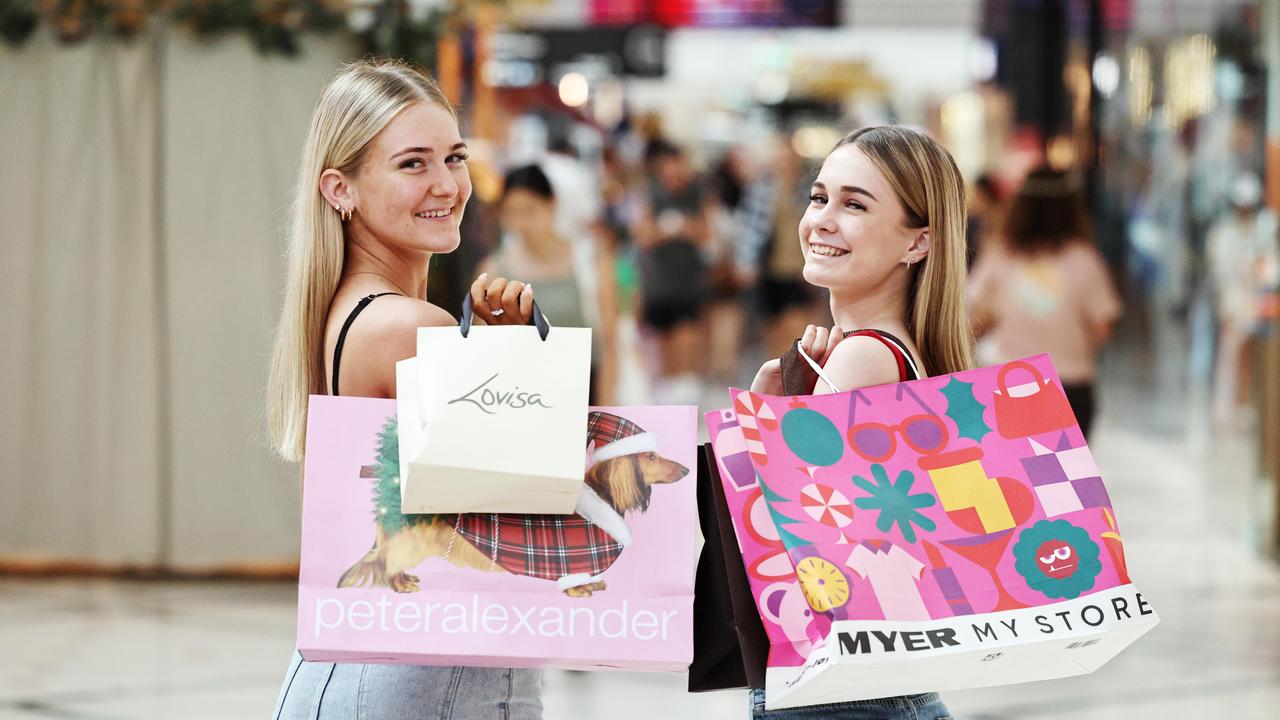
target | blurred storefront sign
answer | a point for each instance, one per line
(722, 13)
(524, 58)
(836, 79)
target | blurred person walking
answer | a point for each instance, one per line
(1244, 269)
(1046, 288)
(884, 233)
(535, 249)
(725, 315)
(671, 232)
(381, 188)
(580, 221)
(771, 211)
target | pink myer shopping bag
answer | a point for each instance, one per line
(610, 586)
(932, 551)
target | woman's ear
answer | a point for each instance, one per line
(918, 249)
(336, 191)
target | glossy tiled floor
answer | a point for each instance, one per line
(112, 650)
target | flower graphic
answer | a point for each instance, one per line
(895, 502)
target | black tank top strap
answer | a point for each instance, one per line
(342, 334)
(906, 365)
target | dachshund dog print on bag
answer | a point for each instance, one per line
(570, 550)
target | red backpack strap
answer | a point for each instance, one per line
(906, 368)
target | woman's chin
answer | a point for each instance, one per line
(443, 243)
(817, 275)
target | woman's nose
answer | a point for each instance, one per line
(825, 219)
(443, 183)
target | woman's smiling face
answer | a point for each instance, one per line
(854, 231)
(413, 185)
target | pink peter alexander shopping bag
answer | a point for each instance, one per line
(940, 534)
(608, 587)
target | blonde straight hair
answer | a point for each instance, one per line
(927, 182)
(355, 106)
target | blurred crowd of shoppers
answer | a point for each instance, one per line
(687, 263)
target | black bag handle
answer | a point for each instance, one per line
(538, 320)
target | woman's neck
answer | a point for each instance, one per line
(405, 272)
(885, 309)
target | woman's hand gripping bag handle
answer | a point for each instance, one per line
(493, 417)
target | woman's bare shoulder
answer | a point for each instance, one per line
(398, 312)
(861, 361)
(386, 333)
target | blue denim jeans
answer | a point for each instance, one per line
(927, 706)
(319, 690)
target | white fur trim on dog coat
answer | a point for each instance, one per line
(630, 445)
(593, 508)
(576, 580)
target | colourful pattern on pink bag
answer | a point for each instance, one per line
(912, 524)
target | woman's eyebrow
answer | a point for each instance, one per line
(426, 150)
(855, 190)
(851, 189)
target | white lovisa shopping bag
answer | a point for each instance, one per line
(492, 418)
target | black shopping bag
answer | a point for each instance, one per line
(730, 647)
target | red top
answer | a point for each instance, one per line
(896, 346)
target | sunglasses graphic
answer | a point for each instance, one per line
(927, 434)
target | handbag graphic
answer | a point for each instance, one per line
(1031, 408)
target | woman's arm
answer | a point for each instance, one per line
(644, 227)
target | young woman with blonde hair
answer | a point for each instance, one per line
(884, 234)
(381, 188)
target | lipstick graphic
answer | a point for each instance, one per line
(947, 581)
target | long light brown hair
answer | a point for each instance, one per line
(928, 184)
(355, 106)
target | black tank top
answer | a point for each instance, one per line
(342, 334)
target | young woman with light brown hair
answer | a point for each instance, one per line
(381, 188)
(884, 234)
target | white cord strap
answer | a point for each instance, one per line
(826, 379)
(454, 536)
(817, 368)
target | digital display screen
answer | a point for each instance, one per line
(718, 13)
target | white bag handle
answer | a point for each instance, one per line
(822, 373)
(817, 368)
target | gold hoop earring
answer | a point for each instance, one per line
(346, 214)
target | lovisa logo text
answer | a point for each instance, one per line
(490, 399)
